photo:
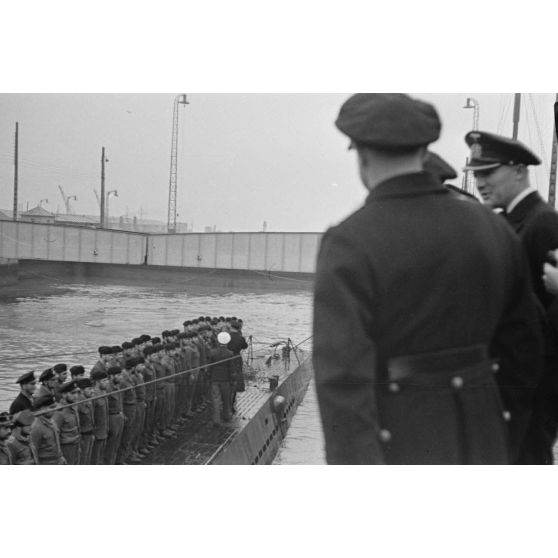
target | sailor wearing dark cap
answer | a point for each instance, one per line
(86, 420)
(105, 359)
(23, 452)
(409, 302)
(61, 374)
(100, 416)
(27, 383)
(44, 433)
(5, 431)
(77, 372)
(48, 381)
(67, 420)
(500, 166)
(129, 403)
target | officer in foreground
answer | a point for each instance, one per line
(413, 305)
(501, 169)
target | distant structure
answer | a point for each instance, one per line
(37, 215)
(4, 216)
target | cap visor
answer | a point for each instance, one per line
(486, 166)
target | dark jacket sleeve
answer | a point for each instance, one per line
(518, 347)
(344, 354)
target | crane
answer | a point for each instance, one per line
(171, 222)
(66, 199)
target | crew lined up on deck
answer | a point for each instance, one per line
(134, 397)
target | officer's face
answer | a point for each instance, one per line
(62, 376)
(103, 384)
(497, 186)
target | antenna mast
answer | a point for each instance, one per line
(14, 217)
(171, 221)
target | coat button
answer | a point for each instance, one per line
(507, 416)
(495, 367)
(393, 387)
(457, 382)
(385, 435)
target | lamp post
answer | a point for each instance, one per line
(471, 103)
(109, 193)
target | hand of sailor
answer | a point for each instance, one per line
(550, 278)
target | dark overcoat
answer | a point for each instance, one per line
(417, 272)
(536, 223)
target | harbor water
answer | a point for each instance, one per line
(50, 321)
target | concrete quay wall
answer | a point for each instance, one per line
(269, 253)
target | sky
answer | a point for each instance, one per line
(243, 159)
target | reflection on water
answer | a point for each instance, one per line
(83, 316)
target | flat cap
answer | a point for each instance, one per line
(136, 341)
(116, 349)
(83, 383)
(77, 369)
(24, 418)
(127, 345)
(391, 121)
(155, 340)
(97, 375)
(60, 368)
(104, 350)
(113, 370)
(435, 165)
(5, 420)
(489, 151)
(223, 338)
(26, 378)
(48, 374)
(43, 401)
(68, 387)
(145, 337)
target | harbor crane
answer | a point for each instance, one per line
(66, 200)
(171, 222)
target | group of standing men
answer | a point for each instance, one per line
(136, 395)
(435, 316)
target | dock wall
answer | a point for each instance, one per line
(268, 253)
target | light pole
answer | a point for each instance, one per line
(115, 194)
(468, 180)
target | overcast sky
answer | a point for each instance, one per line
(243, 158)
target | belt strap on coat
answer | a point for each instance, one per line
(448, 360)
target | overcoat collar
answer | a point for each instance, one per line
(407, 185)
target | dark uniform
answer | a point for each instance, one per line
(67, 421)
(414, 293)
(536, 224)
(44, 434)
(23, 452)
(221, 376)
(86, 424)
(116, 419)
(100, 421)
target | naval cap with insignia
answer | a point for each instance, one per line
(113, 370)
(435, 165)
(26, 378)
(104, 350)
(389, 121)
(48, 374)
(58, 368)
(43, 401)
(489, 151)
